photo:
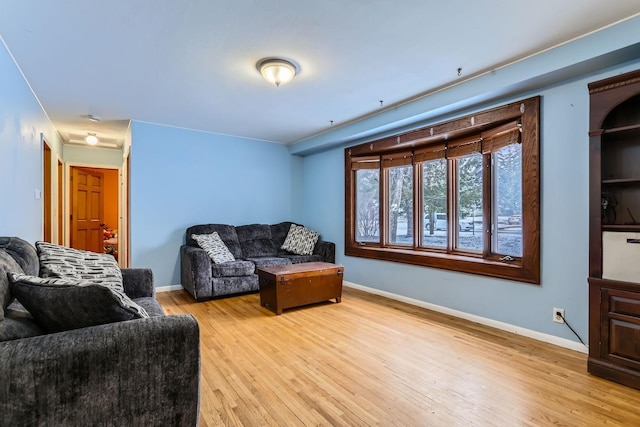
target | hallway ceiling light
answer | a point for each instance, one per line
(277, 71)
(91, 139)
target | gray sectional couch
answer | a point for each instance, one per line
(253, 246)
(142, 372)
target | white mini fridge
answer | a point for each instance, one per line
(621, 256)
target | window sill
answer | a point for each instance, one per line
(514, 270)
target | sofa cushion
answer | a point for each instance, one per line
(297, 259)
(74, 264)
(23, 252)
(234, 285)
(300, 240)
(226, 232)
(61, 304)
(255, 241)
(214, 246)
(7, 265)
(262, 262)
(233, 269)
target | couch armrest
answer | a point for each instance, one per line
(326, 250)
(138, 282)
(141, 372)
(195, 272)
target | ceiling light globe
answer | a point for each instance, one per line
(277, 71)
(91, 139)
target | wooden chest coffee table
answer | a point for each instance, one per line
(294, 285)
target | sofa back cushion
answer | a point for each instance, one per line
(226, 232)
(256, 240)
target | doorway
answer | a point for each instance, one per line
(94, 209)
(46, 192)
(60, 203)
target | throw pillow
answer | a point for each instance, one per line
(67, 263)
(300, 240)
(214, 246)
(61, 304)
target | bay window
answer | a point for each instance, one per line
(461, 195)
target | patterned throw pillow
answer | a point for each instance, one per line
(300, 240)
(61, 304)
(66, 263)
(214, 246)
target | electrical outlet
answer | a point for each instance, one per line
(558, 315)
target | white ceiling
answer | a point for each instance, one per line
(192, 63)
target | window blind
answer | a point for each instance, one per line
(497, 138)
(369, 162)
(403, 158)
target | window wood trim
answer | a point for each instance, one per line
(495, 128)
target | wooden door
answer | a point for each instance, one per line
(87, 207)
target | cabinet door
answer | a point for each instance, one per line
(620, 314)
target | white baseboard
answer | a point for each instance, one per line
(551, 339)
(169, 288)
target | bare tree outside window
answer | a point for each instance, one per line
(368, 205)
(401, 205)
(434, 202)
(469, 171)
(508, 200)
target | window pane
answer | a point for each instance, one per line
(469, 202)
(434, 203)
(367, 205)
(401, 205)
(508, 200)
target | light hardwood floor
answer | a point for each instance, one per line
(374, 361)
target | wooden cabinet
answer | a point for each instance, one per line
(614, 229)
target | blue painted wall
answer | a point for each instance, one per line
(181, 177)
(22, 124)
(564, 222)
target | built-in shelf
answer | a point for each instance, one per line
(621, 129)
(614, 305)
(621, 227)
(621, 181)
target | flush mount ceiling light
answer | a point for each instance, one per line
(277, 71)
(91, 139)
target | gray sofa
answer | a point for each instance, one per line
(142, 372)
(253, 246)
